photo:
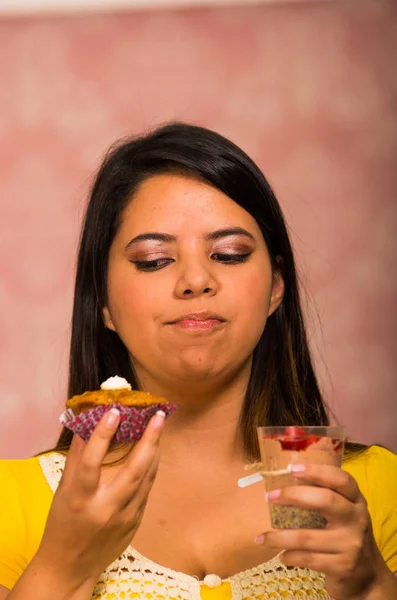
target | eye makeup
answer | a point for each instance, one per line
(148, 250)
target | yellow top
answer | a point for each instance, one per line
(26, 491)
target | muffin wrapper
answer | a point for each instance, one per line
(133, 420)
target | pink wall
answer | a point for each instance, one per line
(309, 90)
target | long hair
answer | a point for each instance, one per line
(283, 389)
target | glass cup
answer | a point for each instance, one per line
(284, 446)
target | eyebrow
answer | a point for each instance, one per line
(168, 238)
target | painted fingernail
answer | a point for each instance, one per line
(273, 495)
(112, 417)
(259, 539)
(296, 468)
(159, 418)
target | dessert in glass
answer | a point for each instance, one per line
(281, 447)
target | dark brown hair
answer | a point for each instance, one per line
(283, 389)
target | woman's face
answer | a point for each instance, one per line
(190, 284)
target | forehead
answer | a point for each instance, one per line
(183, 205)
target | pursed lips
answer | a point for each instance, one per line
(198, 316)
(198, 321)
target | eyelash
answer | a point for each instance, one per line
(159, 263)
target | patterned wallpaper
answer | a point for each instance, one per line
(310, 91)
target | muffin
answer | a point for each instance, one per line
(84, 411)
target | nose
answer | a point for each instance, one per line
(195, 279)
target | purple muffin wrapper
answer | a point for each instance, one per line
(133, 420)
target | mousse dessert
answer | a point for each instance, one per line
(281, 447)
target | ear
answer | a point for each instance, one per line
(278, 289)
(107, 319)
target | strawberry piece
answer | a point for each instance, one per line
(294, 438)
(293, 444)
(294, 431)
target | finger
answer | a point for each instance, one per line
(134, 507)
(142, 489)
(141, 458)
(88, 470)
(309, 540)
(331, 504)
(331, 477)
(315, 561)
(73, 457)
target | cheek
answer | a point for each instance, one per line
(129, 303)
(136, 305)
(253, 292)
(252, 304)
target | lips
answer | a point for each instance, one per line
(198, 322)
(202, 316)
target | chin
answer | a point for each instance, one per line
(201, 368)
(195, 372)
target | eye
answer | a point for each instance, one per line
(151, 265)
(230, 259)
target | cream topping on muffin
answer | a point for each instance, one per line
(115, 383)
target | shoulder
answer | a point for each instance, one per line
(16, 479)
(23, 481)
(23, 503)
(375, 471)
(371, 458)
(18, 470)
(25, 500)
(13, 471)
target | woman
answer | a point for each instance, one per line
(186, 286)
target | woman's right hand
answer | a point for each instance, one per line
(90, 523)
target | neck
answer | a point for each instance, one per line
(205, 426)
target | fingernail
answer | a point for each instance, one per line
(159, 418)
(112, 417)
(296, 468)
(273, 495)
(259, 539)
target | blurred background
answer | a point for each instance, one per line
(307, 88)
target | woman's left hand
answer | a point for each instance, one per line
(345, 551)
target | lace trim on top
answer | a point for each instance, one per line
(133, 576)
